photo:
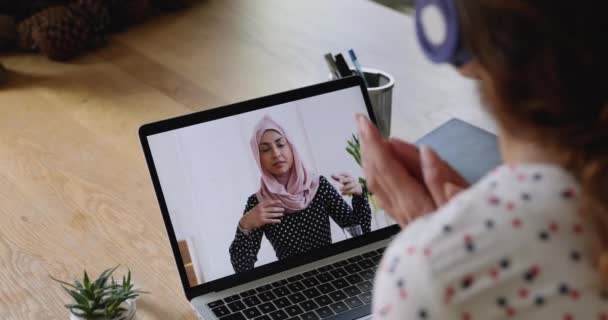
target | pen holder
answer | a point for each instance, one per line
(380, 91)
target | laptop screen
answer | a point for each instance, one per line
(265, 185)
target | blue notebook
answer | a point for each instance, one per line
(469, 149)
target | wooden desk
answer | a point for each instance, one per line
(74, 188)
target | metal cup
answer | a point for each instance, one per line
(380, 91)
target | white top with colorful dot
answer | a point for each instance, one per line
(513, 246)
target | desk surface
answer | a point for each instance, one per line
(74, 188)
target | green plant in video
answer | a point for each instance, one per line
(354, 149)
(102, 298)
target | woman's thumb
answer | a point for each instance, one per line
(431, 175)
(450, 190)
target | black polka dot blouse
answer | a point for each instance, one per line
(301, 231)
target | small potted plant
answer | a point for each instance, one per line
(102, 298)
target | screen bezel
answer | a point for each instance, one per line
(235, 109)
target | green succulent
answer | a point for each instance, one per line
(99, 299)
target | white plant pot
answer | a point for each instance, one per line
(127, 315)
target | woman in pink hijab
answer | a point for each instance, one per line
(293, 205)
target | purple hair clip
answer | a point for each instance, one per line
(445, 44)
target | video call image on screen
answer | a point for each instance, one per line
(254, 188)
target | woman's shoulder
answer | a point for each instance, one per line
(252, 201)
(324, 183)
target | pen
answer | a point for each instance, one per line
(343, 66)
(357, 65)
(331, 64)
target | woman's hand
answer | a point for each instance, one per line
(406, 181)
(398, 192)
(349, 185)
(441, 180)
(267, 212)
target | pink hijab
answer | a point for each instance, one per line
(298, 191)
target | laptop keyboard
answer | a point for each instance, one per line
(316, 294)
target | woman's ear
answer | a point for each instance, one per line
(471, 70)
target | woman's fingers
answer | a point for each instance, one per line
(451, 190)
(411, 198)
(343, 174)
(374, 182)
(432, 175)
(371, 152)
(347, 191)
(409, 155)
(437, 173)
(266, 212)
(367, 130)
(397, 190)
(349, 184)
(336, 177)
(271, 215)
(455, 177)
(343, 178)
(391, 174)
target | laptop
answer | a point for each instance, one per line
(206, 177)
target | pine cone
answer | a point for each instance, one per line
(59, 32)
(25, 30)
(97, 13)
